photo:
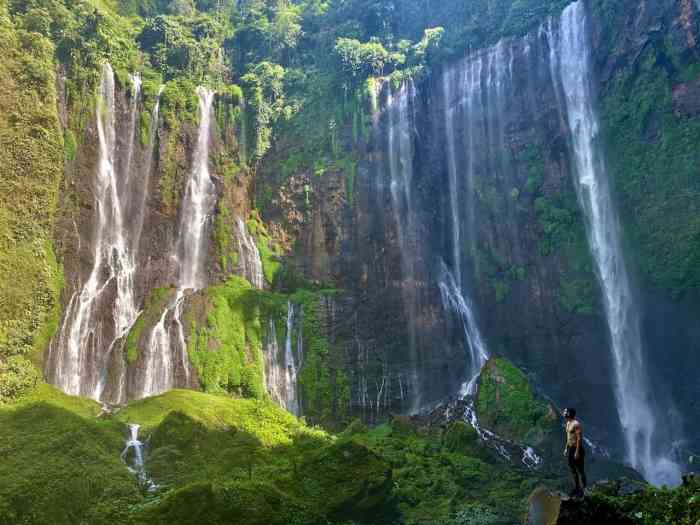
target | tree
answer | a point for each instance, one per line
(364, 59)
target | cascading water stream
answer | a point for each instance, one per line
(164, 354)
(570, 63)
(282, 368)
(400, 136)
(79, 356)
(249, 262)
(133, 457)
(290, 365)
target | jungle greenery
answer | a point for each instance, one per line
(218, 459)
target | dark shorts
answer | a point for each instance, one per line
(573, 462)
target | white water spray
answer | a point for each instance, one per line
(454, 300)
(570, 62)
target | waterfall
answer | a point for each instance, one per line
(454, 300)
(400, 147)
(282, 368)
(135, 460)
(570, 64)
(79, 355)
(249, 263)
(290, 365)
(274, 378)
(148, 164)
(474, 93)
(164, 355)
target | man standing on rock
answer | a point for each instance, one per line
(575, 452)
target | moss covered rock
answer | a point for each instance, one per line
(507, 404)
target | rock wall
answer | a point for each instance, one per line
(522, 246)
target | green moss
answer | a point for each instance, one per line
(153, 309)
(132, 340)
(227, 352)
(436, 475)
(32, 153)
(60, 464)
(323, 383)
(144, 128)
(70, 146)
(507, 405)
(654, 152)
(223, 235)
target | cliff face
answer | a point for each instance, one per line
(439, 226)
(383, 227)
(118, 226)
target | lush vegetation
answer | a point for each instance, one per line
(220, 459)
(230, 459)
(226, 344)
(31, 156)
(653, 157)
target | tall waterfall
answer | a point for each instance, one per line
(570, 64)
(282, 368)
(79, 355)
(165, 355)
(474, 93)
(400, 134)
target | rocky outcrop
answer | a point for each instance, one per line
(622, 502)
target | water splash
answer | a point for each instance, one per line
(570, 63)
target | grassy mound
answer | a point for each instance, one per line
(59, 464)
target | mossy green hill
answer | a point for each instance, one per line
(217, 459)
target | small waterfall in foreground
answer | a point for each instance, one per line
(79, 355)
(570, 64)
(164, 355)
(133, 457)
(282, 367)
